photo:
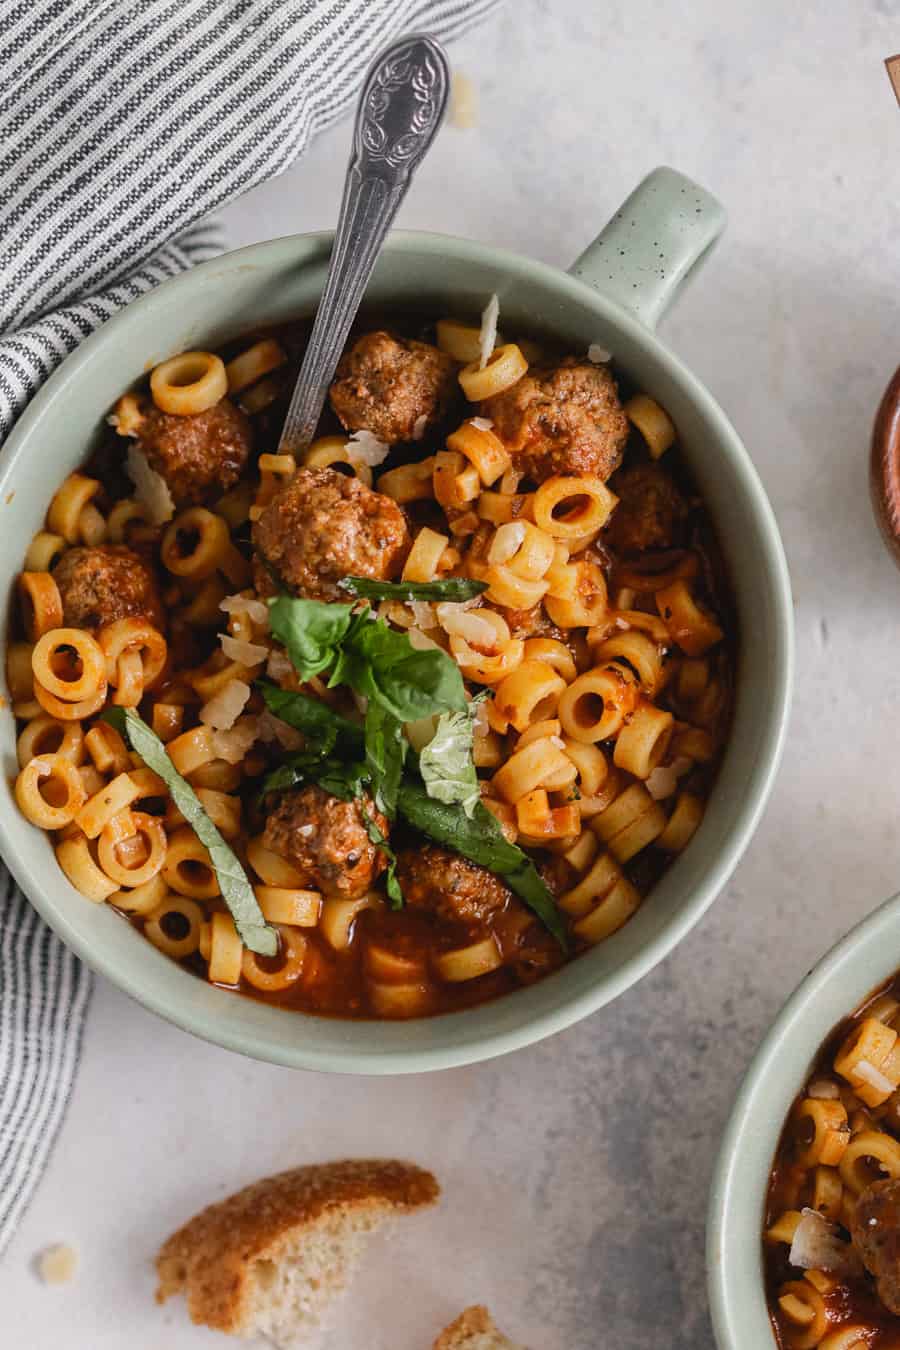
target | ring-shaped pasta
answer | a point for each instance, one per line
(470, 962)
(189, 383)
(209, 547)
(400, 1001)
(511, 591)
(409, 482)
(487, 667)
(289, 905)
(106, 802)
(86, 682)
(855, 1337)
(523, 548)
(389, 966)
(222, 949)
(613, 911)
(271, 868)
(45, 735)
(425, 555)
(40, 604)
(631, 822)
(135, 637)
(641, 653)
(504, 368)
(43, 551)
(456, 482)
(123, 514)
(19, 674)
(590, 506)
(74, 857)
(804, 1310)
(539, 822)
(192, 749)
(248, 367)
(643, 582)
(151, 831)
(61, 709)
(530, 694)
(65, 510)
(500, 507)
(292, 950)
(691, 627)
(597, 882)
(339, 916)
(460, 340)
(187, 867)
(652, 421)
(49, 791)
(141, 900)
(644, 739)
(591, 765)
(538, 764)
(482, 449)
(190, 914)
(870, 1156)
(205, 607)
(586, 606)
(328, 450)
(594, 706)
(683, 823)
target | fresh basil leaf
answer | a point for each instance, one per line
(450, 588)
(392, 884)
(407, 682)
(342, 778)
(481, 840)
(385, 752)
(323, 728)
(311, 631)
(446, 763)
(255, 933)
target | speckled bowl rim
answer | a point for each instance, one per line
(853, 968)
(542, 1010)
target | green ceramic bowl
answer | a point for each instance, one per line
(853, 969)
(613, 296)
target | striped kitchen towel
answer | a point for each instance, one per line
(126, 122)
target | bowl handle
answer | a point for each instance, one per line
(654, 242)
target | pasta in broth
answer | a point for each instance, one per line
(526, 542)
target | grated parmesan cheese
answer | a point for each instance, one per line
(233, 744)
(823, 1089)
(663, 781)
(598, 355)
(816, 1246)
(257, 612)
(306, 831)
(423, 613)
(279, 664)
(224, 708)
(245, 653)
(150, 488)
(57, 1265)
(271, 728)
(364, 448)
(481, 423)
(419, 427)
(868, 1073)
(487, 337)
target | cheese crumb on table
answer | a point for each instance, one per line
(58, 1264)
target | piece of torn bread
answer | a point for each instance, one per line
(267, 1261)
(474, 1329)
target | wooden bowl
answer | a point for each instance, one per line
(884, 475)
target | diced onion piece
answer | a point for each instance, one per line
(823, 1089)
(487, 336)
(224, 708)
(423, 613)
(257, 612)
(279, 664)
(246, 653)
(233, 744)
(150, 488)
(868, 1073)
(816, 1246)
(364, 448)
(598, 355)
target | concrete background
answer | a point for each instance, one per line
(576, 1172)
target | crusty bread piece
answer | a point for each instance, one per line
(267, 1260)
(474, 1329)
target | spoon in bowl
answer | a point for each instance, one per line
(400, 109)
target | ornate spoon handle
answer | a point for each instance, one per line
(400, 109)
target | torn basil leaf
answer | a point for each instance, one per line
(446, 763)
(257, 935)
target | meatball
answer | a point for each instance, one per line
(562, 420)
(197, 455)
(450, 886)
(102, 584)
(651, 512)
(323, 526)
(326, 840)
(386, 385)
(876, 1236)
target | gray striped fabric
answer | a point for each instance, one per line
(126, 122)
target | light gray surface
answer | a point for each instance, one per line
(576, 1172)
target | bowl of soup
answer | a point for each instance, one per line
(421, 742)
(804, 1221)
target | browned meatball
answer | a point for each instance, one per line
(323, 526)
(326, 840)
(562, 420)
(386, 384)
(199, 455)
(102, 584)
(876, 1236)
(450, 886)
(650, 514)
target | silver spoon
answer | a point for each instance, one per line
(400, 109)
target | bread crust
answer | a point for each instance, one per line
(211, 1258)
